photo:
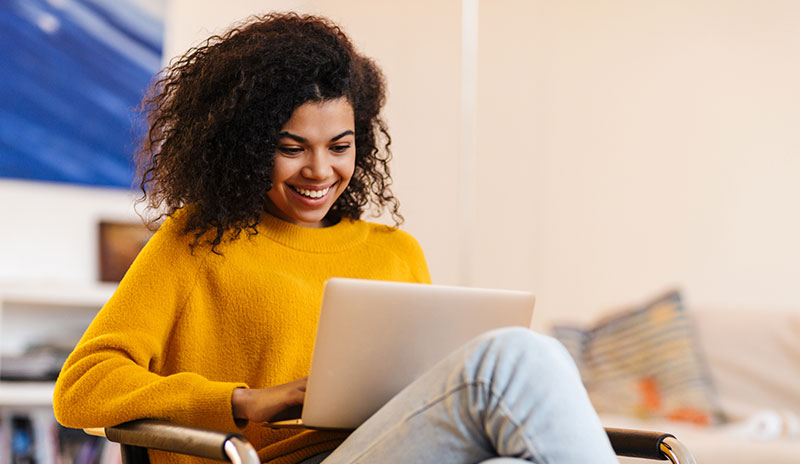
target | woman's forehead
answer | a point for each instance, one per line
(321, 120)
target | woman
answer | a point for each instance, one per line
(264, 150)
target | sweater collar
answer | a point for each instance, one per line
(346, 234)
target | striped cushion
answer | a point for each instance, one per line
(645, 362)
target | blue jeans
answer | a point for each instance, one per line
(509, 393)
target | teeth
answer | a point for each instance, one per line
(312, 193)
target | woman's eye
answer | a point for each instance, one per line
(291, 150)
(340, 148)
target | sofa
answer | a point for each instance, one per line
(750, 361)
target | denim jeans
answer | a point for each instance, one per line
(509, 393)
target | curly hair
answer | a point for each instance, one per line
(215, 114)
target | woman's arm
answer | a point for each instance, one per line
(112, 375)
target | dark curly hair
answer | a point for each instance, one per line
(214, 117)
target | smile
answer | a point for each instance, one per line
(311, 193)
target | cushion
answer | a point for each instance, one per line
(644, 362)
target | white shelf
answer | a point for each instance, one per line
(26, 393)
(32, 314)
(57, 295)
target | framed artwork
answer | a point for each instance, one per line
(120, 243)
(73, 72)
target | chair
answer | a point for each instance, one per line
(137, 436)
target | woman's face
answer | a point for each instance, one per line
(314, 161)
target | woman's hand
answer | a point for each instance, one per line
(260, 405)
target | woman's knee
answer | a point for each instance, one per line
(515, 343)
(525, 339)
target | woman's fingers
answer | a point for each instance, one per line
(263, 404)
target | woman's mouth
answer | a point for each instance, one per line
(310, 193)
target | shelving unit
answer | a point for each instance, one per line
(26, 394)
(42, 314)
(34, 315)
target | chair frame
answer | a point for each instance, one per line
(137, 436)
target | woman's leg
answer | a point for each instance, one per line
(509, 392)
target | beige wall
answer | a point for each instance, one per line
(632, 145)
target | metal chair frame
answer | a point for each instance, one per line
(137, 436)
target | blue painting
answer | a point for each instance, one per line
(73, 73)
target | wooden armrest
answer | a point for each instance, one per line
(648, 445)
(220, 446)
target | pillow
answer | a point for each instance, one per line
(645, 363)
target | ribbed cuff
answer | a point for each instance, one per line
(212, 408)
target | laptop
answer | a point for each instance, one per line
(376, 337)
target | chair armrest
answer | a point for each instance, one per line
(220, 446)
(231, 447)
(648, 445)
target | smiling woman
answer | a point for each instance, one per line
(274, 129)
(220, 115)
(314, 162)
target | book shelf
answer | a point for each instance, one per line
(36, 316)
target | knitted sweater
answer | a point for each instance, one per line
(185, 328)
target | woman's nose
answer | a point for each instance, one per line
(319, 165)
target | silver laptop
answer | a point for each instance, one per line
(376, 337)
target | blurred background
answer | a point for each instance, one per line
(593, 152)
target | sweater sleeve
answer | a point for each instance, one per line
(417, 262)
(408, 249)
(111, 376)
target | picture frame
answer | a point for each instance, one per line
(119, 244)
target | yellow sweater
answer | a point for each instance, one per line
(184, 329)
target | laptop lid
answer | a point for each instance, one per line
(376, 337)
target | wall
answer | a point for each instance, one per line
(49, 231)
(636, 145)
(624, 146)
